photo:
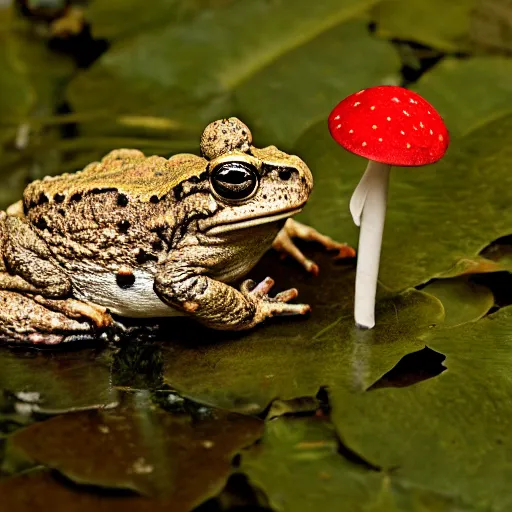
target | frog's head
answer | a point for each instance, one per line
(251, 186)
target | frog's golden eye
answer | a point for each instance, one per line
(234, 181)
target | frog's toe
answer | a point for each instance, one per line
(292, 229)
(273, 306)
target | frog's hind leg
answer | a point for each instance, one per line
(40, 321)
(292, 229)
(26, 263)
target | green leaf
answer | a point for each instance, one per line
(468, 93)
(463, 301)
(436, 214)
(443, 25)
(294, 358)
(15, 92)
(211, 65)
(449, 434)
(118, 19)
(299, 467)
(491, 25)
(182, 459)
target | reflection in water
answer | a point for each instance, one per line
(362, 341)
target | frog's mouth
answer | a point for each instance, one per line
(255, 221)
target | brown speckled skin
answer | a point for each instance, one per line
(129, 216)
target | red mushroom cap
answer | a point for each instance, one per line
(391, 125)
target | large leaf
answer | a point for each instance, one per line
(143, 449)
(455, 26)
(296, 357)
(215, 65)
(436, 214)
(468, 93)
(491, 25)
(137, 16)
(450, 434)
(15, 92)
(299, 466)
(443, 25)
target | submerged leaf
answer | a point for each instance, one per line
(181, 459)
(59, 381)
(33, 491)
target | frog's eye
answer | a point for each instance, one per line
(234, 181)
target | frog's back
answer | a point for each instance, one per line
(126, 171)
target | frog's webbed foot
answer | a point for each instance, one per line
(39, 321)
(267, 307)
(293, 229)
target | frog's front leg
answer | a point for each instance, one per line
(216, 304)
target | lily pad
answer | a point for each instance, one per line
(299, 466)
(294, 358)
(211, 66)
(436, 214)
(449, 434)
(33, 491)
(143, 449)
(463, 300)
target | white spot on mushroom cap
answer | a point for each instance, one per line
(408, 146)
(360, 92)
(414, 102)
(406, 113)
(431, 132)
(380, 140)
(374, 126)
(428, 111)
(338, 126)
(388, 118)
(415, 127)
(357, 103)
(395, 99)
(372, 107)
(422, 125)
(337, 117)
(441, 138)
(363, 144)
(402, 132)
(351, 131)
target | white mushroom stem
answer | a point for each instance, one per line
(368, 209)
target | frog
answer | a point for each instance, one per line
(142, 237)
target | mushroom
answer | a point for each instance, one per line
(389, 125)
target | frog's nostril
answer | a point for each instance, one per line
(285, 174)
